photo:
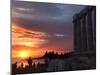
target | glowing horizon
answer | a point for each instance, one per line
(24, 40)
(39, 29)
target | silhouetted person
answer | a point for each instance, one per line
(22, 65)
(33, 65)
(29, 62)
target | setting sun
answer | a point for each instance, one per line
(24, 54)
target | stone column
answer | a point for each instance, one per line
(94, 28)
(77, 33)
(89, 29)
(83, 32)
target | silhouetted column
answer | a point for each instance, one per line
(77, 33)
(94, 27)
(75, 22)
(89, 29)
(83, 32)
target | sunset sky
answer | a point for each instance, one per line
(39, 27)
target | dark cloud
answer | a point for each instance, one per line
(37, 8)
(45, 26)
(48, 18)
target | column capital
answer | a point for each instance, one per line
(89, 9)
(76, 17)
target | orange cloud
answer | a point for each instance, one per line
(24, 40)
(22, 36)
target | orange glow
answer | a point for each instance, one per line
(24, 54)
(26, 43)
(22, 36)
